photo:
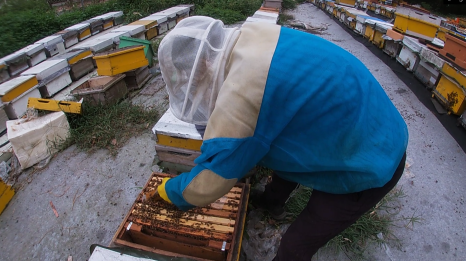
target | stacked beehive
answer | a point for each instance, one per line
(425, 44)
(58, 64)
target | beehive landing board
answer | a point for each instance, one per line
(200, 233)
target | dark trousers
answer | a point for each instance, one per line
(325, 216)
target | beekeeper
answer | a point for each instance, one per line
(290, 101)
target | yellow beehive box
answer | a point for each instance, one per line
(350, 3)
(441, 32)
(415, 27)
(15, 87)
(147, 23)
(172, 132)
(417, 23)
(369, 33)
(451, 94)
(6, 194)
(151, 33)
(458, 75)
(120, 60)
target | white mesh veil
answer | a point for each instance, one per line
(192, 59)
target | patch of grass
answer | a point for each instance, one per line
(108, 127)
(226, 15)
(298, 201)
(374, 226)
(284, 18)
(258, 173)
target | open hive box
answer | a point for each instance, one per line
(212, 232)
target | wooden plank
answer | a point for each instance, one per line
(178, 247)
(188, 215)
(218, 213)
(54, 105)
(187, 222)
(179, 238)
(153, 250)
(182, 230)
(235, 251)
(222, 206)
(229, 201)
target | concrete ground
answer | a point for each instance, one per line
(93, 192)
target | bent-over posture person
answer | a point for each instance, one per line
(293, 102)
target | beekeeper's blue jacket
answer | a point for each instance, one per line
(301, 106)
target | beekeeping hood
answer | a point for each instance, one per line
(192, 59)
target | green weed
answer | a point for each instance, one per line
(108, 127)
(374, 226)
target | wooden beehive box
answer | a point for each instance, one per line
(102, 90)
(209, 233)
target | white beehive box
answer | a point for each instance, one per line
(409, 54)
(35, 53)
(53, 45)
(16, 63)
(171, 14)
(117, 17)
(6, 151)
(4, 75)
(429, 67)
(70, 37)
(45, 70)
(162, 22)
(15, 87)
(107, 20)
(52, 75)
(17, 108)
(3, 119)
(39, 138)
(83, 29)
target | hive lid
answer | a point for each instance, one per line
(259, 20)
(46, 68)
(159, 18)
(115, 36)
(362, 18)
(65, 34)
(73, 55)
(116, 14)
(32, 49)
(96, 44)
(265, 15)
(104, 17)
(79, 27)
(412, 43)
(50, 40)
(118, 51)
(13, 83)
(383, 27)
(431, 57)
(132, 29)
(171, 12)
(172, 126)
(14, 57)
